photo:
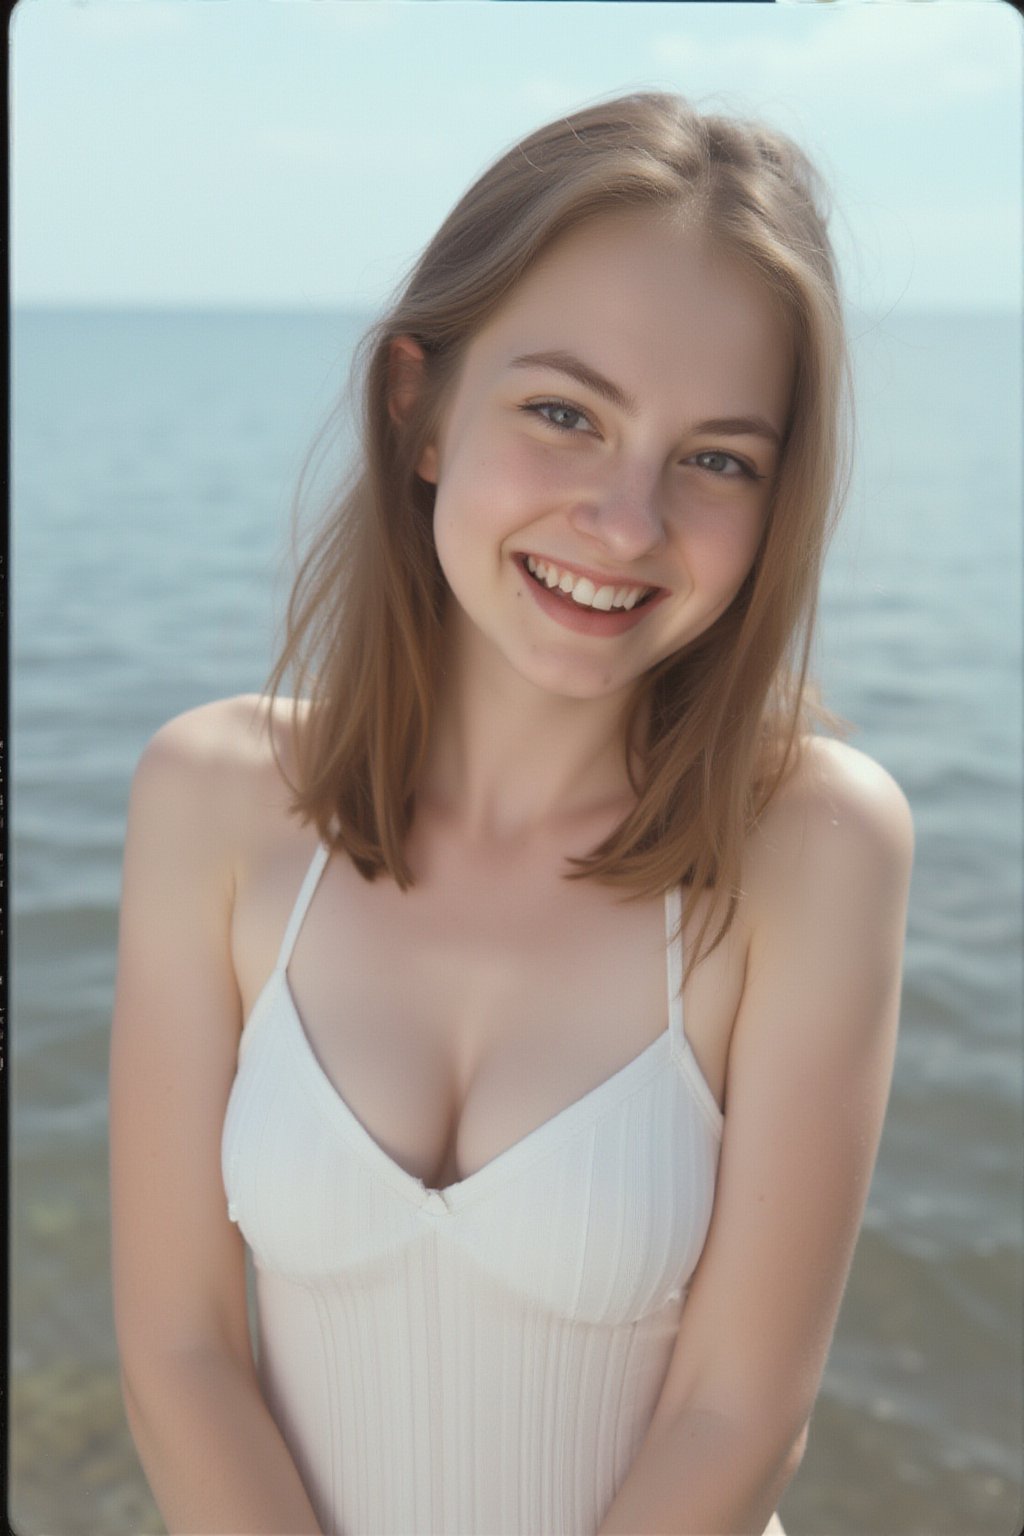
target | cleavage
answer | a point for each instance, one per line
(451, 1046)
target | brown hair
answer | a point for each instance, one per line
(364, 620)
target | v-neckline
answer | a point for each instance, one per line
(576, 1115)
(580, 1113)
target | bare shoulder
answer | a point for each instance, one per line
(218, 767)
(223, 736)
(852, 786)
(839, 815)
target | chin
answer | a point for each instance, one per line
(580, 683)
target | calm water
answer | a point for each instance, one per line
(155, 458)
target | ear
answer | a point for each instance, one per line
(406, 360)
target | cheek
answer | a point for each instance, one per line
(474, 511)
(492, 492)
(721, 542)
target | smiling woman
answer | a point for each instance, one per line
(522, 994)
(614, 486)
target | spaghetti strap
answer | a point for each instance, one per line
(674, 955)
(302, 901)
(678, 1043)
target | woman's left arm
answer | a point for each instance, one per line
(810, 1068)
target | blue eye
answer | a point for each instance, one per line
(558, 408)
(728, 458)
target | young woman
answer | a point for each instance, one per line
(524, 992)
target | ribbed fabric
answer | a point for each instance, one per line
(483, 1359)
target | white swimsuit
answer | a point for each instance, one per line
(482, 1359)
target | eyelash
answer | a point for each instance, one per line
(537, 407)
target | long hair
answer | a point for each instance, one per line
(363, 627)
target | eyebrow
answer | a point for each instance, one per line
(575, 368)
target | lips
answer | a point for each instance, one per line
(620, 592)
(579, 616)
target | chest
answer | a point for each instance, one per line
(458, 1016)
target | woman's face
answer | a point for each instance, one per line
(618, 421)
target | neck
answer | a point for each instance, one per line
(509, 761)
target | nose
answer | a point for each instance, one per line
(623, 515)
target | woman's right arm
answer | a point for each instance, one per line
(214, 1457)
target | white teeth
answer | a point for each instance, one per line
(582, 589)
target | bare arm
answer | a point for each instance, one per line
(703, 1473)
(810, 1067)
(212, 1453)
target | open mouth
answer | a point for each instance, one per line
(584, 593)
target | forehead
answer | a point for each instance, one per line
(656, 305)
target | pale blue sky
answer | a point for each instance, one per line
(297, 153)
